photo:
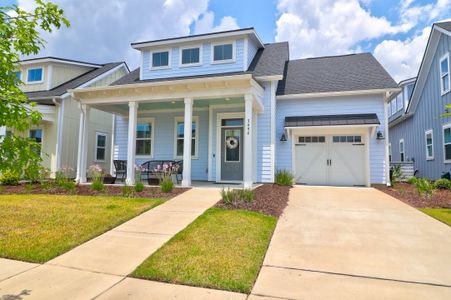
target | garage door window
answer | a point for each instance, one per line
(312, 139)
(347, 139)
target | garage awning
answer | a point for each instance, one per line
(332, 120)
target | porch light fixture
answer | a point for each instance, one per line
(283, 138)
(380, 135)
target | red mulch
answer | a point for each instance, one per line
(407, 193)
(110, 190)
(270, 199)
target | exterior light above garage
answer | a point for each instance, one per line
(283, 138)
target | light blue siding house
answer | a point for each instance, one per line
(252, 111)
(418, 132)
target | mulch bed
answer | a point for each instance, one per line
(270, 199)
(407, 193)
(84, 190)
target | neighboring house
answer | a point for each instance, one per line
(418, 132)
(253, 111)
(45, 82)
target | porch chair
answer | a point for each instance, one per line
(179, 174)
(121, 168)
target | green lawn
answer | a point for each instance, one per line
(441, 214)
(222, 249)
(37, 228)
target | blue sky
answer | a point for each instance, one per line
(394, 31)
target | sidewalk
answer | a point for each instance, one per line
(94, 267)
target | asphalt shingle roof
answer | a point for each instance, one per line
(332, 120)
(352, 72)
(444, 25)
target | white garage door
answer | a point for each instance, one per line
(330, 160)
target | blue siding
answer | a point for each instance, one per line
(251, 51)
(205, 68)
(164, 140)
(426, 117)
(334, 105)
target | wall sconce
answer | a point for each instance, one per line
(380, 135)
(283, 138)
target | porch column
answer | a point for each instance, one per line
(82, 155)
(187, 136)
(248, 142)
(131, 145)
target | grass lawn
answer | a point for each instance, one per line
(441, 214)
(222, 249)
(37, 228)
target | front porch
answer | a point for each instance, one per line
(149, 125)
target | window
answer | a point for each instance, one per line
(429, 137)
(34, 75)
(18, 75)
(401, 150)
(393, 106)
(36, 135)
(447, 142)
(160, 59)
(389, 109)
(190, 56)
(223, 52)
(399, 104)
(444, 74)
(179, 137)
(100, 146)
(347, 139)
(389, 152)
(312, 139)
(144, 138)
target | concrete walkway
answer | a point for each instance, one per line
(355, 243)
(99, 266)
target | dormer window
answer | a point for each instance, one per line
(34, 75)
(190, 56)
(444, 74)
(160, 59)
(224, 52)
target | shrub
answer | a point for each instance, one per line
(443, 183)
(68, 186)
(127, 191)
(29, 187)
(425, 187)
(64, 175)
(227, 195)
(230, 196)
(167, 185)
(412, 180)
(35, 173)
(284, 177)
(97, 185)
(139, 187)
(9, 177)
(396, 174)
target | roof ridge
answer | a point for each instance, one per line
(59, 58)
(331, 56)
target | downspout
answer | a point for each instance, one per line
(59, 132)
(386, 97)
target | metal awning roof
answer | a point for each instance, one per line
(332, 120)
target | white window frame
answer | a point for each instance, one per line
(35, 82)
(98, 133)
(402, 158)
(152, 136)
(426, 133)
(399, 102)
(393, 107)
(446, 126)
(169, 50)
(182, 65)
(442, 91)
(225, 61)
(196, 138)
(390, 154)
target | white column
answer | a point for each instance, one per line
(248, 141)
(131, 146)
(187, 136)
(82, 155)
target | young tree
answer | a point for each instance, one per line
(448, 111)
(19, 35)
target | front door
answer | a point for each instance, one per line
(232, 154)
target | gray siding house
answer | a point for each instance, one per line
(418, 132)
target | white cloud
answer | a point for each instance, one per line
(206, 23)
(102, 30)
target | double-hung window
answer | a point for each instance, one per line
(444, 74)
(144, 138)
(100, 146)
(447, 143)
(429, 139)
(160, 59)
(190, 56)
(180, 134)
(402, 152)
(223, 52)
(36, 135)
(34, 75)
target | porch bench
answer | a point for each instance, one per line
(150, 173)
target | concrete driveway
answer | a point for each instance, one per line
(355, 243)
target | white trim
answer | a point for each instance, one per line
(446, 126)
(334, 126)
(210, 143)
(336, 94)
(113, 132)
(59, 135)
(169, 66)
(224, 61)
(178, 119)
(442, 30)
(431, 132)
(442, 91)
(56, 60)
(273, 105)
(403, 157)
(182, 65)
(270, 78)
(367, 157)
(35, 82)
(96, 146)
(386, 143)
(219, 118)
(146, 120)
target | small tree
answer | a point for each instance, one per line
(448, 111)
(19, 35)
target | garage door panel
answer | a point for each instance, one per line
(347, 164)
(311, 163)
